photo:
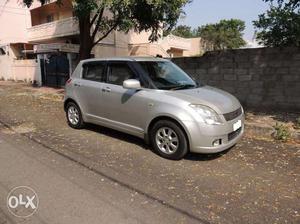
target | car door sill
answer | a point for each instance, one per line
(119, 126)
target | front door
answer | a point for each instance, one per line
(123, 107)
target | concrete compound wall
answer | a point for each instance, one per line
(25, 70)
(18, 70)
(263, 78)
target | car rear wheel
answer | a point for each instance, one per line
(74, 116)
(169, 140)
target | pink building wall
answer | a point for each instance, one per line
(14, 20)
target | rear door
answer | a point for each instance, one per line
(89, 89)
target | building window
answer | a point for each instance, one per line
(50, 18)
(2, 51)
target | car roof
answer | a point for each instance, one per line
(125, 59)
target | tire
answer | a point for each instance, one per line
(163, 137)
(74, 116)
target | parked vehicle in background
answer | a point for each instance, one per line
(153, 99)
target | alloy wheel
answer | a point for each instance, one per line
(167, 140)
(73, 115)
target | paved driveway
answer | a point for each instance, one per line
(255, 182)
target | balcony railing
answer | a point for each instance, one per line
(59, 28)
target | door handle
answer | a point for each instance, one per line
(107, 90)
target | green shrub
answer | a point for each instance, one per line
(282, 132)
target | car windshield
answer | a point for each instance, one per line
(167, 76)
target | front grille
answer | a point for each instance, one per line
(234, 134)
(232, 115)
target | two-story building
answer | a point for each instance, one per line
(51, 36)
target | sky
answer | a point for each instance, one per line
(201, 12)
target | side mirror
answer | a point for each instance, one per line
(132, 84)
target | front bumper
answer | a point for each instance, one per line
(202, 136)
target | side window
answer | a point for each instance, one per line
(119, 72)
(94, 72)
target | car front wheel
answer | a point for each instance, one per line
(169, 140)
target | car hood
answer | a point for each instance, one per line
(219, 100)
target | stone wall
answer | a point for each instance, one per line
(264, 78)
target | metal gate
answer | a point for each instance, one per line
(56, 70)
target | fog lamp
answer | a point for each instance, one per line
(217, 142)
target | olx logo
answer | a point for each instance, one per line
(22, 201)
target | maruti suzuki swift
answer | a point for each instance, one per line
(155, 100)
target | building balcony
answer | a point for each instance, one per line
(60, 28)
(176, 42)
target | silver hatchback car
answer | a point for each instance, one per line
(153, 99)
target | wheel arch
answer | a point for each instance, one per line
(70, 100)
(169, 118)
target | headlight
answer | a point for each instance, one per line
(207, 115)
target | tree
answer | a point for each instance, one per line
(95, 24)
(227, 34)
(280, 25)
(183, 31)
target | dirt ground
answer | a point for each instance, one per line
(257, 181)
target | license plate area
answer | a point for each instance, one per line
(237, 125)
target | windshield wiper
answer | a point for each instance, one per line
(184, 86)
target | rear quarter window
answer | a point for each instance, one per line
(94, 72)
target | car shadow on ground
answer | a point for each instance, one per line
(118, 135)
(206, 157)
(142, 144)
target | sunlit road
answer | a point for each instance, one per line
(69, 192)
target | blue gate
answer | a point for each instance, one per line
(56, 70)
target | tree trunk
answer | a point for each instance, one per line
(86, 41)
